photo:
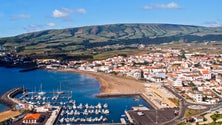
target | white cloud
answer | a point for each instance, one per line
(51, 24)
(171, 5)
(59, 13)
(65, 12)
(21, 16)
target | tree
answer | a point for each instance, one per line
(197, 64)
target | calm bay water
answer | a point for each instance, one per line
(83, 88)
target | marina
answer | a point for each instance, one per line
(64, 110)
(71, 110)
(74, 93)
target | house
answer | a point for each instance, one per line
(31, 118)
(208, 92)
(198, 118)
(137, 75)
(206, 74)
(178, 82)
(156, 79)
(214, 100)
(197, 97)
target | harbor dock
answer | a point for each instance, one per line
(58, 107)
(54, 116)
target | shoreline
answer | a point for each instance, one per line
(110, 84)
(116, 86)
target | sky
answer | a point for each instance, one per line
(23, 16)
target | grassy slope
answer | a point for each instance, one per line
(73, 40)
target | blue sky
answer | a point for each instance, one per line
(22, 16)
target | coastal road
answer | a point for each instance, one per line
(183, 106)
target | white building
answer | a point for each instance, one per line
(197, 97)
(178, 82)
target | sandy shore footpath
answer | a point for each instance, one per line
(8, 114)
(113, 84)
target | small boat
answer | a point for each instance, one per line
(91, 107)
(74, 106)
(44, 98)
(105, 105)
(39, 97)
(55, 97)
(89, 119)
(86, 105)
(61, 120)
(82, 119)
(106, 111)
(101, 117)
(80, 106)
(99, 111)
(98, 105)
(96, 111)
(105, 119)
(61, 103)
(72, 119)
(67, 120)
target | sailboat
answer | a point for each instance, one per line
(41, 92)
(60, 91)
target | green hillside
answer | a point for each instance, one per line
(74, 41)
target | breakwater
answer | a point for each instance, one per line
(7, 97)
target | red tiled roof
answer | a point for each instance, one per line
(32, 117)
(205, 71)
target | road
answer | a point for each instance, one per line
(184, 105)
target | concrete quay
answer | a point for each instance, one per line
(54, 116)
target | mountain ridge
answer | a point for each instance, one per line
(106, 25)
(79, 39)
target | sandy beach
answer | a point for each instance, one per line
(8, 114)
(111, 84)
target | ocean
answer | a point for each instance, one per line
(83, 88)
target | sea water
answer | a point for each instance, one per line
(83, 88)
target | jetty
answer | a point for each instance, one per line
(54, 116)
(8, 97)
